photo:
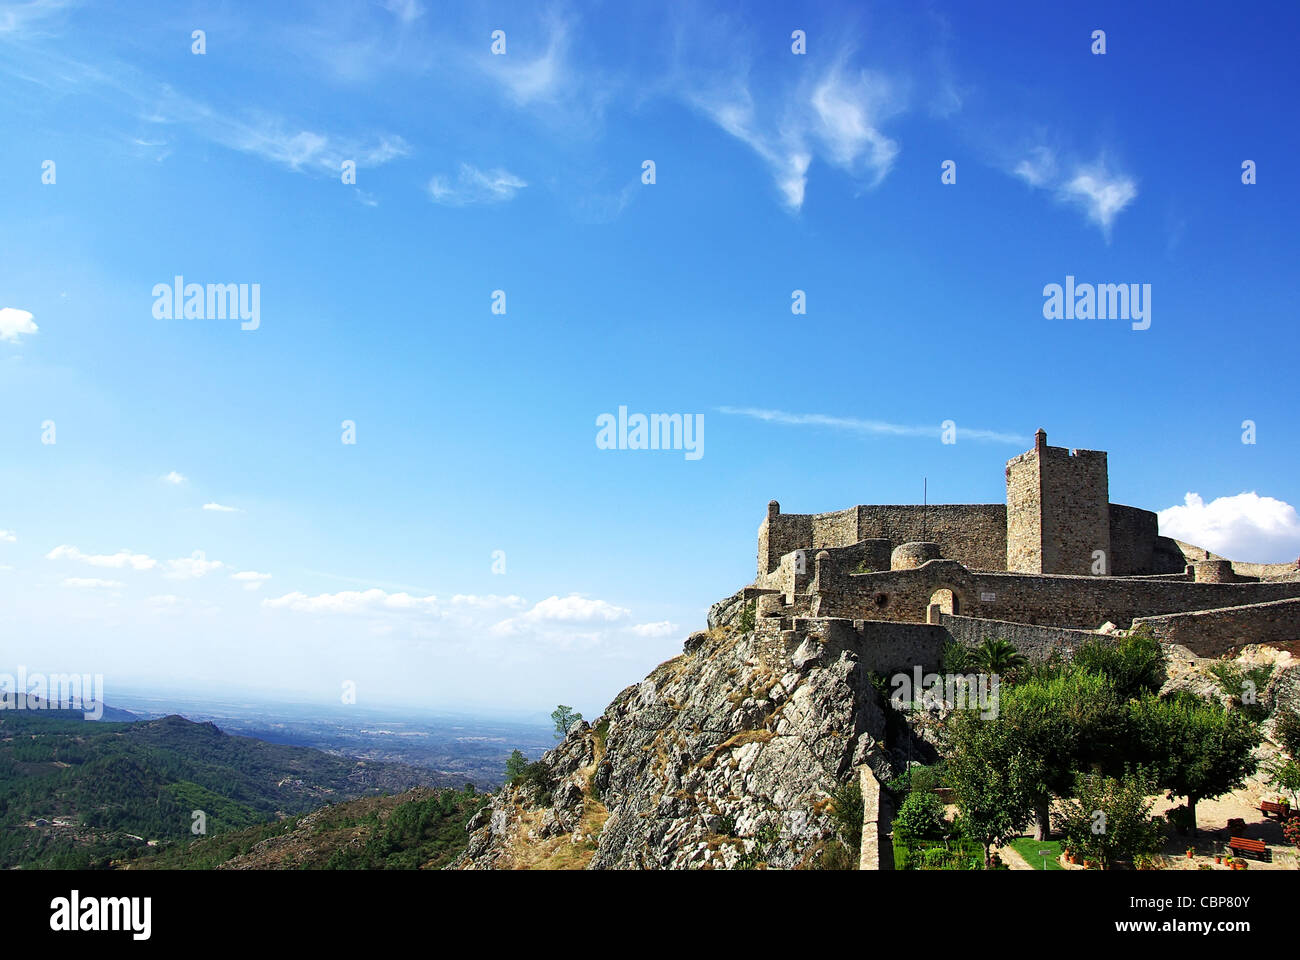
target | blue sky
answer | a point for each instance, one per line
(199, 524)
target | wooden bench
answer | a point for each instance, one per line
(1245, 845)
(1281, 810)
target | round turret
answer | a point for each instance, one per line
(908, 556)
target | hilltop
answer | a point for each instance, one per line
(76, 793)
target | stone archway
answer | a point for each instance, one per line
(943, 600)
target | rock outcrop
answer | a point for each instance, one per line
(723, 757)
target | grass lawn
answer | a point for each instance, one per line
(1028, 848)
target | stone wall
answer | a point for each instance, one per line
(1211, 633)
(975, 534)
(1062, 601)
(1133, 536)
(1034, 641)
(1024, 514)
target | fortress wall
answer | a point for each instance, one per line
(1264, 569)
(779, 534)
(1024, 534)
(1210, 633)
(1058, 601)
(1133, 534)
(973, 533)
(881, 647)
(1034, 641)
(1076, 510)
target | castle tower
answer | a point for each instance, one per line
(1058, 511)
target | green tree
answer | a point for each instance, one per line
(1135, 664)
(564, 717)
(1286, 778)
(1110, 819)
(994, 779)
(998, 656)
(920, 817)
(516, 764)
(1286, 731)
(1065, 723)
(1196, 749)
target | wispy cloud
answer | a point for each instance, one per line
(870, 427)
(251, 579)
(221, 508)
(15, 323)
(28, 18)
(192, 567)
(119, 561)
(174, 478)
(473, 185)
(1097, 189)
(90, 583)
(7, 536)
(530, 79)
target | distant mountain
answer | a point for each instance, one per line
(80, 794)
(419, 829)
(29, 703)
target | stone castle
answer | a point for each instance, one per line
(1056, 564)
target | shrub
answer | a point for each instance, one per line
(846, 809)
(1286, 731)
(745, 622)
(1135, 664)
(920, 817)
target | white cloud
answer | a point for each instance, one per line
(1100, 192)
(663, 628)
(192, 567)
(836, 117)
(406, 11)
(557, 615)
(119, 560)
(15, 323)
(354, 602)
(173, 478)
(871, 427)
(251, 579)
(1038, 168)
(7, 536)
(473, 185)
(90, 583)
(528, 80)
(1245, 527)
(221, 508)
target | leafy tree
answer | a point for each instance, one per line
(956, 658)
(564, 717)
(1066, 724)
(994, 779)
(997, 656)
(1286, 777)
(1286, 731)
(1110, 819)
(1195, 748)
(920, 817)
(516, 763)
(1135, 664)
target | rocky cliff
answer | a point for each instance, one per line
(723, 757)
